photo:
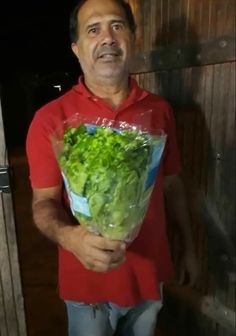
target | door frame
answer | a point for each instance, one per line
(12, 314)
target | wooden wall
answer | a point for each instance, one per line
(186, 52)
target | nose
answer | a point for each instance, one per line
(108, 37)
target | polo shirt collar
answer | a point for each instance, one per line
(136, 93)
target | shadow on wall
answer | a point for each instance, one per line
(186, 90)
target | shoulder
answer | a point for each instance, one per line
(55, 105)
(158, 100)
(159, 105)
(50, 115)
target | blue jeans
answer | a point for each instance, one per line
(107, 318)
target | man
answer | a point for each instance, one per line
(106, 285)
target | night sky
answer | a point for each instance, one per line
(35, 57)
(34, 36)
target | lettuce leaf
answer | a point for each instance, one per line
(109, 169)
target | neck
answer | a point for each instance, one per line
(113, 92)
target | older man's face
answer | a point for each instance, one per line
(105, 41)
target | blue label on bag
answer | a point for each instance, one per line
(80, 204)
(77, 203)
(91, 128)
(155, 161)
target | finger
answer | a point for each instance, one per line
(98, 266)
(101, 267)
(117, 256)
(102, 256)
(117, 264)
(106, 244)
(107, 257)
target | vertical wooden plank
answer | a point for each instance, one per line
(158, 24)
(146, 20)
(222, 106)
(199, 125)
(6, 284)
(186, 94)
(153, 23)
(176, 85)
(136, 9)
(165, 20)
(211, 123)
(230, 99)
(221, 16)
(14, 262)
(216, 132)
(199, 21)
(2, 139)
(164, 82)
(212, 19)
(202, 129)
(218, 127)
(191, 18)
(228, 182)
(3, 320)
(207, 109)
(9, 265)
(180, 22)
(6, 278)
(187, 14)
(204, 32)
(173, 33)
(230, 21)
(3, 324)
(154, 83)
(189, 120)
(197, 9)
(168, 22)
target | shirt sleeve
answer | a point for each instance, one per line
(171, 159)
(43, 168)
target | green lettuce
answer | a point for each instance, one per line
(108, 169)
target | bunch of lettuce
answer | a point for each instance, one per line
(107, 170)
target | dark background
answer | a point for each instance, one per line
(35, 36)
(35, 56)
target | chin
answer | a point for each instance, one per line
(112, 73)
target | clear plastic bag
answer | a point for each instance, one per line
(109, 168)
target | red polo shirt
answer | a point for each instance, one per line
(148, 261)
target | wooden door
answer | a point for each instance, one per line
(186, 53)
(12, 317)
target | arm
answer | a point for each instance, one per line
(93, 251)
(178, 213)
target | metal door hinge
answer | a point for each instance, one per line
(5, 179)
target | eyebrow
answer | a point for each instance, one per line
(92, 25)
(118, 21)
(96, 24)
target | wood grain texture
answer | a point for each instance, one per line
(12, 317)
(202, 94)
(164, 22)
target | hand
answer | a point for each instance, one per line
(94, 252)
(188, 269)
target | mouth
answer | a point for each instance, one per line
(108, 53)
(108, 56)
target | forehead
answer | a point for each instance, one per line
(99, 10)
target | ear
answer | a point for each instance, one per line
(75, 49)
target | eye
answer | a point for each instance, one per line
(117, 26)
(93, 31)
